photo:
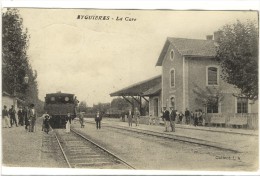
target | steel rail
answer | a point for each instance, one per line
(175, 137)
(102, 148)
(63, 152)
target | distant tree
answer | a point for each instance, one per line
(83, 106)
(237, 53)
(101, 107)
(119, 103)
(15, 62)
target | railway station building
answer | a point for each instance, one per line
(9, 100)
(189, 67)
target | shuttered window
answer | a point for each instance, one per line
(212, 76)
(242, 105)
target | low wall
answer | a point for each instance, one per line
(249, 121)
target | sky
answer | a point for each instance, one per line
(93, 58)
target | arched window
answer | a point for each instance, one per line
(212, 76)
(172, 78)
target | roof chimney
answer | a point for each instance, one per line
(209, 37)
(217, 36)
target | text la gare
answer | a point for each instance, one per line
(125, 19)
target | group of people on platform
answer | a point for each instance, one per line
(172, 117)
(132, 116)
(80, 115)
(26, 117)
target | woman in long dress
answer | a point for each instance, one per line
(68, 122)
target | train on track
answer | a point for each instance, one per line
(58, 105)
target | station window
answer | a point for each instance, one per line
(212, 76)
(172, 55)
(212, 107)
(242, 105)
(172, 78)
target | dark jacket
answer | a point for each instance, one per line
(128, 115)
(98, 117)
(20, 113)
(26, 117)
(12, 112)
(4, 113)
(166, 115)
(46, 122)
(187, 113)
(173, 115)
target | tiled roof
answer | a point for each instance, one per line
(138, 88)
(189, 47)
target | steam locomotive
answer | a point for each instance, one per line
(58, 105)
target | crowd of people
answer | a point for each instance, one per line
(26, 117)
(172, 117)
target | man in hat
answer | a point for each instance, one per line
(12, 113)
(26, 117)
(98, 119)
(166, 118)
(32, 118)
(172, 119)
(20, 116)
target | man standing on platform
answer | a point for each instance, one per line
(32, 118)
(172, 119)
(187, 116)
(130, 117)
(98, 119)
(166, 118)
(137, 116)
(12, 113)
(20, 116)
(26, 117)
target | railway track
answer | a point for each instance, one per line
(173, 137)
(81, 152)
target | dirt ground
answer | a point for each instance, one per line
(144, 152)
